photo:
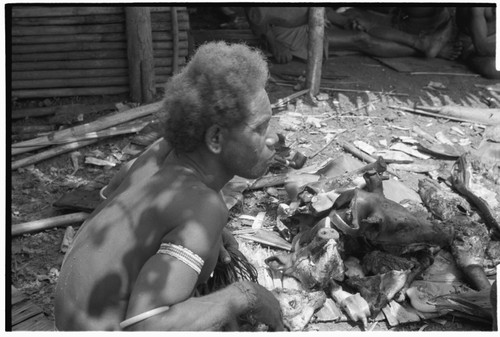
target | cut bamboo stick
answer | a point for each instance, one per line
(97, 125)
(72, 73)
(69, 55)
(55, 151)
(110, 37)
(168, 36)
(361, 155)
(40, 225)
(66, 92)
(437, 115)
(86, 55)
(72, 64)
(113, 131)
(157, 9)
(37, 11)
(167, 26)
(166, 17)
(67, 30)
(71, 82)
(68, 20)
(103, 37)
(59, 47)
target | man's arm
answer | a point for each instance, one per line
(261, 27)
(479, 32)
(167, 280)
(217, 310)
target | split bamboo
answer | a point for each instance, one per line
(67, 92)
(59, 47)
(68, 20)
(71, 82)
(39, 225)
(73, 73)
(67, 30)
(40, 11)
(97, 125)
(72, 64)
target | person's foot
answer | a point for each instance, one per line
(432, 44)
(451, 51)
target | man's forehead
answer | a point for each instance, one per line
(260, 107)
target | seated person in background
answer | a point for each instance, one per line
(394, 31)
(139, 259)
(373, 32)
(478, 28)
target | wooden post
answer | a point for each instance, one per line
(175, 40)
(140, 54)
(315, 49)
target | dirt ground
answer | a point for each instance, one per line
(364, 114)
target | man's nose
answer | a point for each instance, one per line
(271, 140)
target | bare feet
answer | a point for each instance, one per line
(432, 44)
(451, 51)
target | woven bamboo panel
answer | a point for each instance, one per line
(77, 51)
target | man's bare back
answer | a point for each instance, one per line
(152, 201)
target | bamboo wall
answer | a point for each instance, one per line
(77, 51)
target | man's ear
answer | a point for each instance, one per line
(213, 138)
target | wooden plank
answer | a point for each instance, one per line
(73, 64)
(37, 11)
(24, 310)
(16, 296)
(68, 20)
(46, 74)
(67, 30)
(64, 92)
(70, 82)
(114, 37)
(59, 47)
(35, 323)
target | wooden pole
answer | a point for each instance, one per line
(97, 125)
(38, 11)
(63, 46)
(175, 40)
(40, 225)
(140, 54)
(72, 64)
(67, 30)
(73, 73)
(71, 82)
(315, 49)
(65, 92)
(69, 55)
(55, 151)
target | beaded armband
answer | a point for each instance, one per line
(182, 254)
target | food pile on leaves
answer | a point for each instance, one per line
(360, 252)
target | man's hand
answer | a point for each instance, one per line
(261, 305)
(354, 24)
(218, 310)
(228, 240)
(281, 53)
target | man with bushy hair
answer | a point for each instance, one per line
(139, 259)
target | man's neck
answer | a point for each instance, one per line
(205, 166)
